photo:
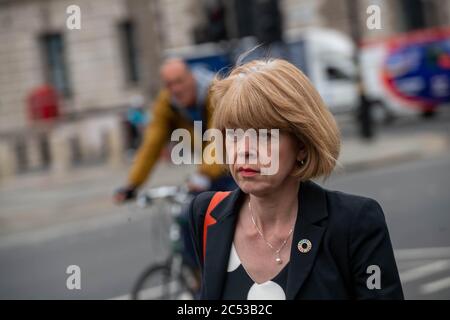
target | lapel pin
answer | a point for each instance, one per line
(304, 246)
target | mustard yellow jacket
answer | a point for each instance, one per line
(165, 119)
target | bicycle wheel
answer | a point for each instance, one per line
(157, 283)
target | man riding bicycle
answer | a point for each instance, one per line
(183, 100)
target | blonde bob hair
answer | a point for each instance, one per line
(274, 94)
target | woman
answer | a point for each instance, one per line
(282, 236)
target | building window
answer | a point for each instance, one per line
(414, 14)
(56, 70)
(129, 52)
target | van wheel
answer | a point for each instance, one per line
(428, 114)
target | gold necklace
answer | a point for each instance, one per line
(277, 251)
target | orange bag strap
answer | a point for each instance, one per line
(209, 220)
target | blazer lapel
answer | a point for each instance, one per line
(312, 209)
(219, 239)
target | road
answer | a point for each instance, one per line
(414, 197)
(112, 250)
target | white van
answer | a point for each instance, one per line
(396, 74)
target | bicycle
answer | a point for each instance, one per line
(173, 278)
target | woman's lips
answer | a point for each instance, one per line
(247, 172)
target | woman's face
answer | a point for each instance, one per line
(248, 175)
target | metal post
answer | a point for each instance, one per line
(365, 115)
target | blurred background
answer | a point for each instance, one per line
(74, 102)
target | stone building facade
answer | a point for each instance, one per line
(115, 55)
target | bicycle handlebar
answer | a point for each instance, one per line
(173, 194)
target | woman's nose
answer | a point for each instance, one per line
(247, 148)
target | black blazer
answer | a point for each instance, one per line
(348, 234)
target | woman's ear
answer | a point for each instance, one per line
(301, 154)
